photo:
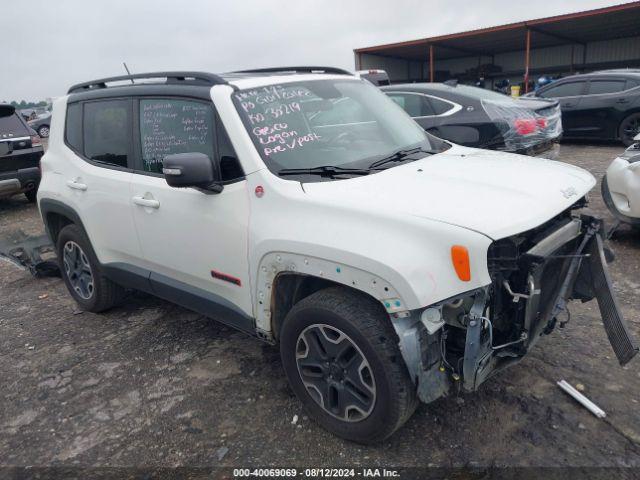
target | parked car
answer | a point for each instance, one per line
(20, 153)
(375, 76)
(621, 185)
(303, 207)
(476, 117)
(41, 124)
(598, 106)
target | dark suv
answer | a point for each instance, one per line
(20, 153)
(601, 105)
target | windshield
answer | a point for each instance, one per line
(339, 123)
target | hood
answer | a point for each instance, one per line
(494, 193)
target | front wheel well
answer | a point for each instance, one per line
(289, 288)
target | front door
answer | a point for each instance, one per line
(194, 243)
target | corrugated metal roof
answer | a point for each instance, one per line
(618, 21)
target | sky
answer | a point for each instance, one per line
(58, 43)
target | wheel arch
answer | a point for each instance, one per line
(284, 279)
(57, 215)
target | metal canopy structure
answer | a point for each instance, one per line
(574, 30)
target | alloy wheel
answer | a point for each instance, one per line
(78, 270)
(335, 372)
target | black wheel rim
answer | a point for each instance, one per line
(631, 129)
(335, 372)
(78, 270)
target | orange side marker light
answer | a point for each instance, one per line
(461, 264)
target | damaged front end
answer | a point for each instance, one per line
(534, 275)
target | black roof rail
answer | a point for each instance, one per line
(311, 69)
(193, 78)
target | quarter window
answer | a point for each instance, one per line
(73, 127)
(107, 132)
(169, 126)
(606, 86)
(570, 89)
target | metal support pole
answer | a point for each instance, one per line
(527, 62)
(573, 52)
(431, 60)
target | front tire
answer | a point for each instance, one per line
(341, 356)
(82, 273)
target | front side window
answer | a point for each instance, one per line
(169, 126)
(345, 123)
(571, 89)
(606, 86)
(107, 132)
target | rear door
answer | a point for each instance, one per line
(94, 176)
(602, 106)
(569, 94)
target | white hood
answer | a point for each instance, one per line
(497, 194)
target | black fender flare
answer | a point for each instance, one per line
(49, 206)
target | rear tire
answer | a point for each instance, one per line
(629, 128)
(31, 195)
(356, 385)
(43, 131)
(82, 273)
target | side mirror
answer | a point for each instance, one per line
(193, 169)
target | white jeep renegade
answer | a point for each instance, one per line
(306, 208)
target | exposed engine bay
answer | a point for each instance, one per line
(534, 274)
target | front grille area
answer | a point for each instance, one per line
(540, 278)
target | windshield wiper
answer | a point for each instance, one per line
(400, 155)
(324, 171)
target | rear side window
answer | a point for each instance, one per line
(107, 132)
(606, 86)
(169, 126)
(73, 127)
(570, 89)
(414, 105)
(11, 126)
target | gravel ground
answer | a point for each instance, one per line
(151, 384)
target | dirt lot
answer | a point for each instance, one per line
(152, 384)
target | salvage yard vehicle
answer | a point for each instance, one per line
(598, 106)
(475, 117)
(303, 206)
(621, 186)
(41, 124)
(20, 153)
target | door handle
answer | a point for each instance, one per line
(568, 105)
(146, 202)
(76, 185)
(622, 100)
